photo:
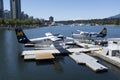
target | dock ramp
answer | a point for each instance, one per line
(82, 58)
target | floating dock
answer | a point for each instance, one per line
(113, 60)
(85, 45)
(44, 56)
(37, 56)
(31, 54)
(55, 51)
(89, 61)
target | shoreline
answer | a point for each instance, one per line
(40, 26)
(23, 27)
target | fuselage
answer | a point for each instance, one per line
(85, 35)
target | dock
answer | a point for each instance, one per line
(31, 54)
(55, 51)
(37, 56)
(82, 58)
(44, 56)
(113, 60)
(85, 45)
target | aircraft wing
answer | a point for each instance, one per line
(38, 39)
(49, 36)
(52, 37)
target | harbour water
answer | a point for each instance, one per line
(13, 67)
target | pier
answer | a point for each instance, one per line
(111, 53)
(31, 54)
(85, 45)
(113, 60)
(74, 53)
(89, 61)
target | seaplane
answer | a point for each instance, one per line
(89, 35)
(48, 41)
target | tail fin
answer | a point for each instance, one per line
(103, 33)
(21, 36)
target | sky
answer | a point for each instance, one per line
(69, 9)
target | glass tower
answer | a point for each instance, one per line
(1, 9)
(15, 6)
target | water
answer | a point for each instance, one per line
(13, 67)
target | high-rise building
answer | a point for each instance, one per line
(15, 6)
(24, 16)
(1, 9)
(51, 19)
(7, 14)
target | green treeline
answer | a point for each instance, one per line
(17, 22)
(107, 21)
(32, 22)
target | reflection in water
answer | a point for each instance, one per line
(2, 39)
(57, 65)
(44, 62)
(55, 62)
(9, 57)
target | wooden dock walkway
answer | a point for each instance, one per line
(55, 51)
(38, 56)
(43, 54)
(89, 61)
(85, 45)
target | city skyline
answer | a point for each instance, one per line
(69, 9)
